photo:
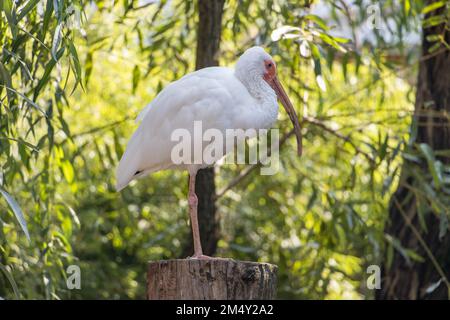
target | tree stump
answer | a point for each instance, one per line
(214, 279)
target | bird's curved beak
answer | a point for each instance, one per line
(284, 99)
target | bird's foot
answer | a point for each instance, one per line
(204, 257)
(200, 257)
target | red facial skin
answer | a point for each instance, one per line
(270, 76)
(271, 70)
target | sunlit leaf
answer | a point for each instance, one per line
(48, 69)
(17, 212)
(68, 171)
(136, 77)
(433, 6)
(11, 280)
(318, 20)
(278, 33)
(321, 83)
(57, 38)
(31, 4)
(88, 65)
(8, 7)
(305, 50)
(28, 100)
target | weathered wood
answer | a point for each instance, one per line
(215, 279)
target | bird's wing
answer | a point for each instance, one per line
(211, 95)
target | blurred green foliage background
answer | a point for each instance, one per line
(74, 74)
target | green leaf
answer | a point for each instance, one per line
(434, 21)
(64, 126)
(383, 148)
(314, 51)
(317, 20)
(330, 41)
(305, 50)
(317, 67)
(67, 170)
(17, 212)
(74, 215)
(283, 32)
(5, 80)
(433, 37)
(433, 6)
(46, 77)
(8, 9)
(312, 199)
(341, 235)
(433, 166)
(340, 40)
(387, 182)
(443, 224)
(117, 146)
(31, 102)
(47, 16)
(136, 77)
(57, 37)
(422, 212)
(163, 28)
(27, 8)
(88, 64)
(398, 246)
(414, 255)
(11, 280)
(389, 255)
(65, 242)
(435, 47)
(76, 64)
(58, 9)
(407, 6)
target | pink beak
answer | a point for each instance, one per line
(284, 99)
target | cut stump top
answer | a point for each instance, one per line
(212, 279)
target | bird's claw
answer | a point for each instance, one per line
(200, 257)
(204, 257)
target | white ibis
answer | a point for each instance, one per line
(219, 97)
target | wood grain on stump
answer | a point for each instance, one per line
(214, 279)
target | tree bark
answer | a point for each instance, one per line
(215, 279)
(403, 278)
(208, 43)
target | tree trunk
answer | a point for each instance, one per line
(215, 279)
(208, 42)
(403, 278)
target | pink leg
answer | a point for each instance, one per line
(193, 203)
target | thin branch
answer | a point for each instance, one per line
(340, 136)
(29, 145)
(246, 172)
(101, 128)
(144, 5)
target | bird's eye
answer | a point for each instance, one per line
(269, 65)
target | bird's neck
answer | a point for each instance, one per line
(257, 87)
(266, 98)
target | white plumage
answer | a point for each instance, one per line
(212, 95)
(221, 98)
